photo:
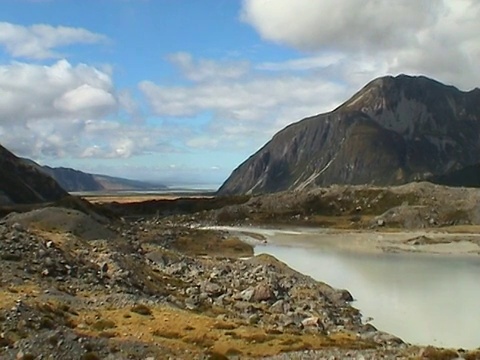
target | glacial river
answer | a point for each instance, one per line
(423, 299)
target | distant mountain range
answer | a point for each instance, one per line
(77, 181)
(23, 181)
(393, 131)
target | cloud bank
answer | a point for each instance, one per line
(438, 38)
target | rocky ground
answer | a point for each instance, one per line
(412, 206)
(77, 286)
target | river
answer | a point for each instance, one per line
(423, 299)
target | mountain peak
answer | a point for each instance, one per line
(394, 130)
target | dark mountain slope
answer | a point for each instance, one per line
(73, 180)
(21, 183)
(468, 176)
(394, 130)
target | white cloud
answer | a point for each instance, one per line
(61, 110)
(437, 38)
(249, 99)
(245, 111)
(40, 41)
(131, 106)
(56, 92)
(303, 64)
(84, 97)
(205, 69)
(353, 24)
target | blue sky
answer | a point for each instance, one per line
(183, 91)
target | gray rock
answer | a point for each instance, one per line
(263, 292)
(247, 294)
(212, 289)
(313, 321)
(253, 319)
(192, 302)
(278, 307)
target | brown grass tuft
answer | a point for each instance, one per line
(167, 334)
(224, 326)
(102, 324)
(432, 353)
(141, 309)
(90, 356)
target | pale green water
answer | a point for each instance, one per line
(423, 299)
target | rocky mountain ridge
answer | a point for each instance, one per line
(21, 183)
(393, 131)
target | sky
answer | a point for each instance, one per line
(183, 91)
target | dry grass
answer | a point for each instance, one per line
(10, 293)
(432, 353)
(224, 326)
(211, 243)
(181, 330)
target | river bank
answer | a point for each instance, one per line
(431, 242)
(422, 291)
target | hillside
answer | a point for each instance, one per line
(21, 183)
(393, 131)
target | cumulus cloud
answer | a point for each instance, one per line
(84, 98)
(56, 92)
(354, 24)
(438, 38)
(66, 110)
(40, 41)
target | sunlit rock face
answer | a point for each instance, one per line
(393, 131)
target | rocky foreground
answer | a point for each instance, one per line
(77, 287)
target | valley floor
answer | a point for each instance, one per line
(79, 285)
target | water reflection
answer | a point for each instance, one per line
(422, 299)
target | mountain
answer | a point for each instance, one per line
(75, 180)
(22, 183)
(393, 131)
